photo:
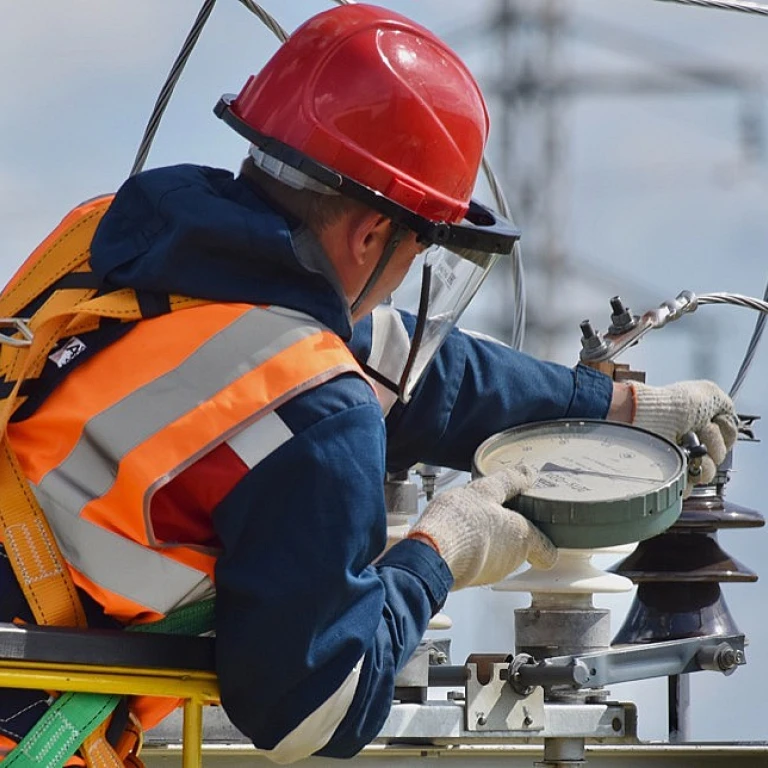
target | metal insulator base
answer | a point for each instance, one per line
(562, 753)
(544, 632)
(560, 764)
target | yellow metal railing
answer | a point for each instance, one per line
(196, 688)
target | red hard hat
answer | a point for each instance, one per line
(379, 99)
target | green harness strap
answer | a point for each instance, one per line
(74, 716)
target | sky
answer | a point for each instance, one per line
(656, 196)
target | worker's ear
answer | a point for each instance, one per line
(367, 235)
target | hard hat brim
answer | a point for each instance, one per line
(481, 231)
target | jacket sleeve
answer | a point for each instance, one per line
(309, 634)
(474, 387)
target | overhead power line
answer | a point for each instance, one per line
(725, 5)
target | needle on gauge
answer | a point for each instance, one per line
(551, 467)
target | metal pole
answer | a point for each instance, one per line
(679, 698)
(562, 753)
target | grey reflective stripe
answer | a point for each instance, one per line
(121, 565)
(112, 561)
(257, 441)
(89, 471)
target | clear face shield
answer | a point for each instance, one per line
(450, 278)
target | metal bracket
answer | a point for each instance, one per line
(720, 653)
(493, 705)
(19, 325)
(412, 680)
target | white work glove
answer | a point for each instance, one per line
(689, 406)
(479, 539)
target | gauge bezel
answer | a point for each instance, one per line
(596, 523)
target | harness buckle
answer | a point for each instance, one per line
(19, 325)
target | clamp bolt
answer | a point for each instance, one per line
(590, 339)
(621, 318)
(527, 719)
(593, 346)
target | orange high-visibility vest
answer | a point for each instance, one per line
(128, 421)
(133, 417)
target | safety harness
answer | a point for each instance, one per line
(65, 299)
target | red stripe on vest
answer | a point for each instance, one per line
(180, 512)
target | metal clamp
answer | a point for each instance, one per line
(627, 329)
(19, 325)
(493, 705)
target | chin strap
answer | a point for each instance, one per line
(398, 233)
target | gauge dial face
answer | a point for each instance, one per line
(585, 461)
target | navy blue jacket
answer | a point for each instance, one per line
(300, 609)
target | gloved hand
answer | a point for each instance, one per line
(689, 406)
(479, 539)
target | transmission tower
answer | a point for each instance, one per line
(531, 146)
(533, 88)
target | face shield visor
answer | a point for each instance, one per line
(450, 278)
(455, 262)
(457, 258)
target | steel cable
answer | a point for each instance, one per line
(738, 300)
(170, 83)
(750, 353)
(732, 298)
(267, 19)
(517, 268)
(725, 5)
(178, 67)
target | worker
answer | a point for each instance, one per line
(241, 444)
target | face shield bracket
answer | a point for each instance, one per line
(399, 387)
(418, 333)
(398, 233)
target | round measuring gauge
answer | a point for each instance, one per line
(600, 483)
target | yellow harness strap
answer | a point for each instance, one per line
(30, 544)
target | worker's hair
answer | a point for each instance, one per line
(315, 209)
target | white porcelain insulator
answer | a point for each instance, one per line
(572, 574)
(440, 621)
